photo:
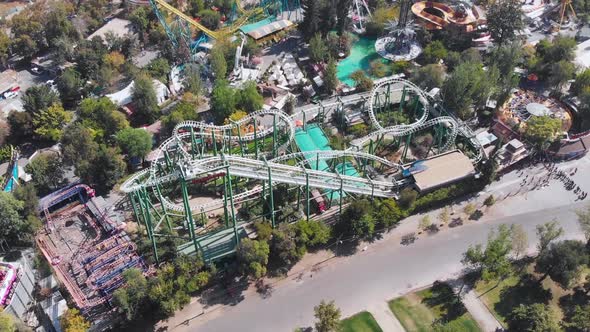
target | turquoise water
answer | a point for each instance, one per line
(315, 139)
(361, 54)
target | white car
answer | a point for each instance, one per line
(10, 95)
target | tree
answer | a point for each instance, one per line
(327, 316)
(562, 262)
(542, 130)
(218, 63)
(547, 233)
(115, 60)
(493, 261)
(330, 78)
(145, 100)
(469, 209)
(49, 123)
(582, 82)
(101, 117)
(284, 247)
(249, 99)
(135, 142)
(580, 319)
(38, 98)
(27, 194)
(378, 68)
(78, 148)
(468, 86)
(252, 257)
(312, 233)
(434, 52)
(317, 48)
(361, 81)
(311, 18)
(73, 321)
(139, 19)
(504, 20)
(130, 299)
(363, 227)
(584, 221)
(520, 242)
(444, 216)
(159, 68)
(4, 48)
(192, 81)
(342, 15)
(21, 126)
(223, 100)
(489, 201)
(105, 170)
(425, 223)
(210, 18)
(69, 85)
(429, 76)
(11, 221)
(535, 317)
(183, 111)
(7, 323)
(47, 173)
(407, 198)
(560, 73)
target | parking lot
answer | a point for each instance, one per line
(23, 79)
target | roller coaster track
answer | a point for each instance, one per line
(213, 34)
(248, 167)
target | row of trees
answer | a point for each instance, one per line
(162, 295)
(562, 261)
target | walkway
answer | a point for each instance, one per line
(480, 312)
(385, 318)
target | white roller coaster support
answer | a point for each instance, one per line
(248, 167)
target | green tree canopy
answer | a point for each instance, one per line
(38, 98)
(21, 126)
(534, 318)
(49, 123)
(101, 117)
(327, 317)
(192, 81)
(563, 262)
(11, 222)
(249, 99)
(73, 321)
(547, 233)
(144, 100)
(183, 111)
(429, 76)
(159, 68)
(468, 87)
(317, 48)
(223, 100)
(330, 76)
(560, 73)
(47, 173)
(69, 85)
(493, 261)
(253, 256)
(542, 130)
(505, 19)
(218, 63)
(7, 323)
(105, 170)
(131, 298)
(361, 81)
(135, 142)
(311, 18)
(434, 52)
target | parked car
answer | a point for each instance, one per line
(37, 70)
(10, 94)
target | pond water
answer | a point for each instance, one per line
(362, 53)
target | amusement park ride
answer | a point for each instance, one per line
(199, 153)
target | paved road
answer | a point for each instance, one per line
(384, 271)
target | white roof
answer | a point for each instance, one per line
(583, 55)
(117, 26)
(485, 138)
(125, 96)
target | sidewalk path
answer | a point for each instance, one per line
(480, 312)
(385, 318)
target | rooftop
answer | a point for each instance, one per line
(443, 169)
(117, 26)
(259, 30)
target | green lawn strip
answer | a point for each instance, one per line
(417, 311)
(361, 322)
(501, 298)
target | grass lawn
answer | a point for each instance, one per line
(361, 322)
(417, 311)
(502, 297)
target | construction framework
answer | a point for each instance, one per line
(199, 153)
